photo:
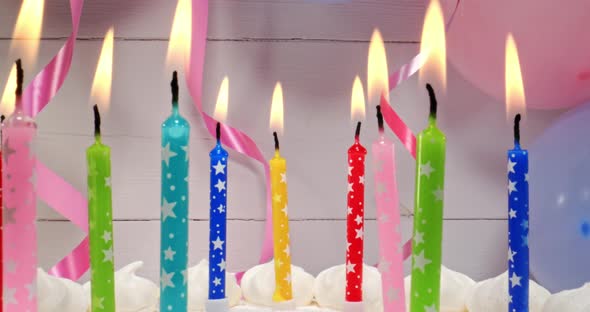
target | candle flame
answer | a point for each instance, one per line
(377, 73)
(180, 44)
(357, 102)
(101, 86)
(515, 99)
(27, 31)
(433, 44)
(9, 96)
(220, 113)
(276, 109)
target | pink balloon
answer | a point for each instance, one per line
(553, 39)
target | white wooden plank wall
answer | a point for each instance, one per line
(315, 49)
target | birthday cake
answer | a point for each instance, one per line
(459, 293)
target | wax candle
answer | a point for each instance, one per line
(428, 215)
(174, 204)
(1, 228)
(355, 214)
(283, 294)
(19, 207)
(388, 221)
(518, 224)
(100, 222)
(217, 219)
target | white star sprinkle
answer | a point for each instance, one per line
(166, 280)
(108, 255)
(167, 154)
(512, 213)
(362, 179)
(349, 209)
(418, 238)
(515, 280)
(107, 236)
(426, 169)
(511, 166)
(217, 244)
(185, 149)
(420, 261)
(169, 254)
(359, 233)
(219, 168)
(288, 279)
(167, 210)
(220, 208)
(221, 265)
(358, 219)
(220, 185)
(32, 288)
(384, 265)
(511, 187)
(287, 251)
(511, 254)
(284, 177)
(350, 170)
(350, 187)
(431, 308)
(99, 303)
(438, 193)
(350, 267)
(107, 181)
(217, 281)
(277, 198)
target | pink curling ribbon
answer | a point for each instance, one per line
(51, 188)
(232, 137)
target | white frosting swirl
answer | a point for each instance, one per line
(574, 300)
(492, 295)
(133, 293)
(258, 285)
(198, 289)
(59, 294)
(454, 289)
(329, 288)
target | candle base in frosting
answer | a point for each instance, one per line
(217, 305)
(353, 306)
(287, 305)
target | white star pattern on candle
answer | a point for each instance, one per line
(350, 267)
(431, 308)
(391, 294)
(285, 210)
(277, 198)
(9, 296)
(284, 177)
(526, 176)
(184, 276)
(383, 218)
(279, 262)
(185, 149)
(511, 166)
(362, 179)
(358, 219)
(350, 187)
(350, 170)
(287, 251)
(511, 254)
(107, 236)
(99, 303)
(217, 281)
(418, 238)
(220, 185)
(438, 194)
(166, 280)
(420, 261)
(219, 168)
(511, 187)
(512, 213)
(349, 209)
(348, 245)
(167, 210)
(384, 265)
(107, 181)
(217, 244)
(426, 169)
(167, 154)
(220, 208)
(515, 280)
(380, 188)
(288, 278)
(169, 254)
(32, 290)
(221, 265)
(359, 233)
(108, 255)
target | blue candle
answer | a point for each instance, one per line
(174, 204)
(218, 220)
(518, 225)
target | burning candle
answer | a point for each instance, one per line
(1, 244)
(174, 204)
(100, 212)
(19, 207)
(518, 189)
(355, 216)
(430, 174)
(218, 301)
(283, 295)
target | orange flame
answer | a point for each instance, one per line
(357, 101)
(433, 43)
(220, 113)
(101, 86)
(515, 99)
(276, 110)
(180, 45)
(377, 73)
(27, 31)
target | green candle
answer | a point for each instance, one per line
(100, 221)
(428, 215)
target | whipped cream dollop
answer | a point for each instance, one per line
(492, 295)
(573, 300)
(59, 294)
(198, 287)
(258, 285)
(329, 288)
(454, 289)
(132, 293)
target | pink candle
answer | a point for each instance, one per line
(388, 222)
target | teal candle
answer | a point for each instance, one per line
(174, 204)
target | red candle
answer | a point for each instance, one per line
(355, 214)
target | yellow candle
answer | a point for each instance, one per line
(280, 217)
